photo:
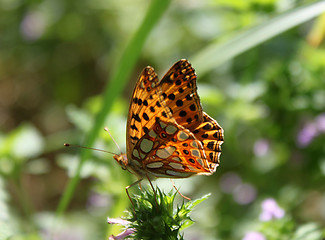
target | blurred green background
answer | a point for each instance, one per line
(68, 68)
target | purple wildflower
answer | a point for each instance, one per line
(122, 235)
(311, 130)
(245, 193)
(254, 236)
(229, 182)
(118, 221)
(69, 232)
(271, 210)
(98, 200)
(33, 26)
(307, 134)
(126, 233)
(261, 147)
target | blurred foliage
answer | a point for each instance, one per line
(55, 58)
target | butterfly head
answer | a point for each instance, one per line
(122, 160)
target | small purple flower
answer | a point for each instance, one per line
(311, 130)
(271, 210)
(122, 235)
(229, 182)
(32, 26)
(244, 194)
(69, 232)
(261, 147)
(254, 236)
(118, 221)
(126, 233)
(98, 200)
(307, 134)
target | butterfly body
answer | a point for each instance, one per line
(168, 134)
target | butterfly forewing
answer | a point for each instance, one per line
(144, 107)
(179, 91)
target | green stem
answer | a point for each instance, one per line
(24, 199)
(20, 190)
(115, 86)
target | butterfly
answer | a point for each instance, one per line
(168, 134)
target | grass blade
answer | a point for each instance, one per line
(219, 53)
(115, 86)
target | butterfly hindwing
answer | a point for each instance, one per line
(210, 134)
(169, 150)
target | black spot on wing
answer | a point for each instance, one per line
(145, 116)
(136, 117)
(134, 127)
(182, 113)
(179, 103)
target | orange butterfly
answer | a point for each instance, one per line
(168, 134)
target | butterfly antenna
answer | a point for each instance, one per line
(96, 149)
(106, 129)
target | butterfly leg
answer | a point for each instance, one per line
(187, 198)
(154, 191)
(131, 185)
